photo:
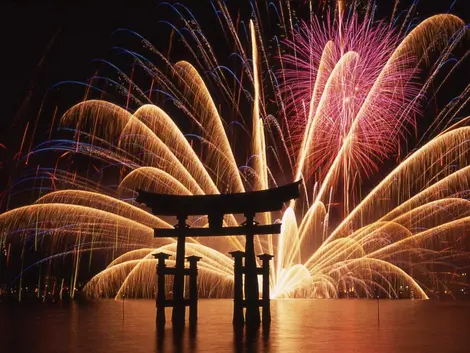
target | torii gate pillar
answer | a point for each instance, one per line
(251, 275)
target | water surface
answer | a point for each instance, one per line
(297, 326)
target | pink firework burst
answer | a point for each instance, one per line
(347, 92)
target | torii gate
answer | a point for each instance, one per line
(215, 207)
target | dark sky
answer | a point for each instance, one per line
(43, 44)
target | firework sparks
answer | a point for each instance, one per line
(346, 95)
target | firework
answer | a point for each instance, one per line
(347, 92)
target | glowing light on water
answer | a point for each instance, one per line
(348, 93)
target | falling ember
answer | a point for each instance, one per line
(345, 97)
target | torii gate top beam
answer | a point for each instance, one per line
(219, 204)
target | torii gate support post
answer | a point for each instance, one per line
(238, 256)
(265, 258)
(179, 308)
(161, 296)
(251, 275)
(193, 296)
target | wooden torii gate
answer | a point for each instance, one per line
(216, 206)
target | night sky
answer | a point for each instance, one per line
(45, 44)
(49, 43)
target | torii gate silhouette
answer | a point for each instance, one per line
(215, 207)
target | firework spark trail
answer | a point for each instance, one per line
(373, 48)
(417, 34)
(346, 94)
(418, 167)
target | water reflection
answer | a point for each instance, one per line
(297, 325)
(183, 338)
(250, 339)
